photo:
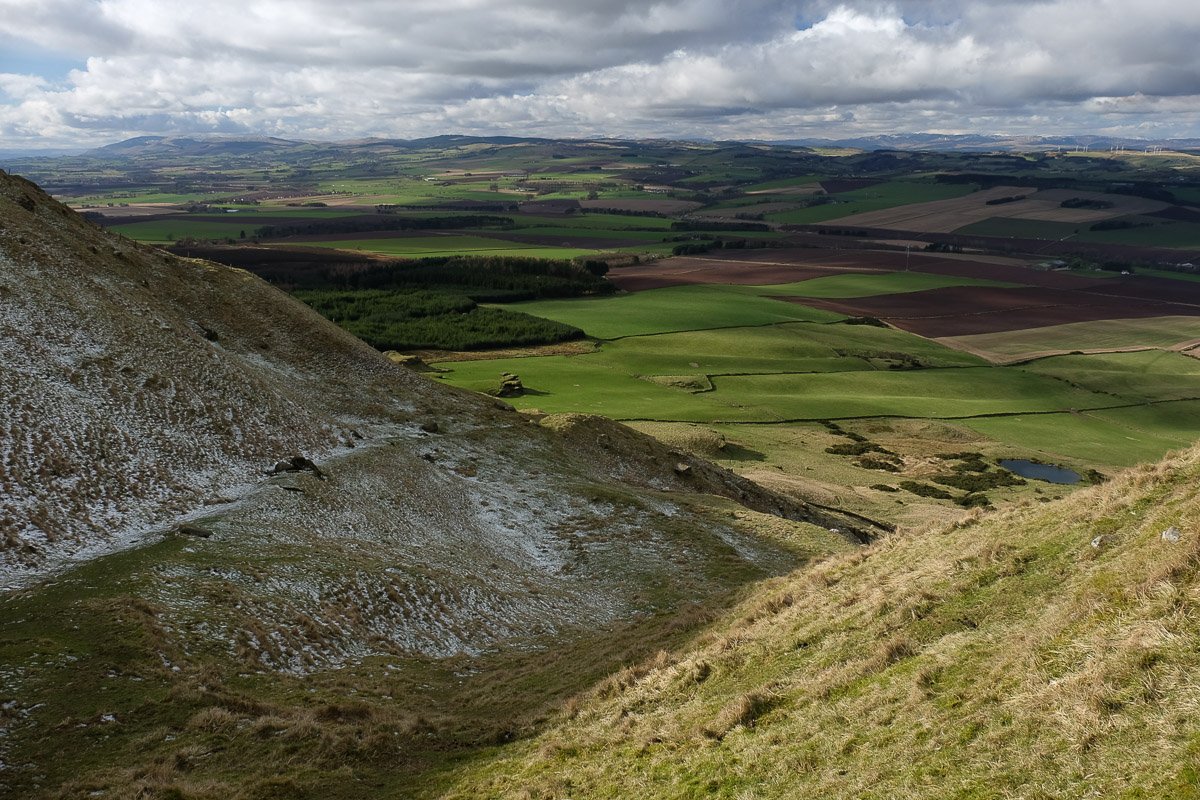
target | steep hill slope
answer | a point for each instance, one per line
(437, 573)
(1047, 651)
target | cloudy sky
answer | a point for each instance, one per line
(81, 73)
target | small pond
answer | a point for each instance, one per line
(1040, 472)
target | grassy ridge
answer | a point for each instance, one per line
(1003, 657)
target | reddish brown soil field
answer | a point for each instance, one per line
(963, 310)
(1163, 290)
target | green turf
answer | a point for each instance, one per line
(170, 230)
(422, 246)
(869, 284)
(586, 384)
(1115, 438)
(794, 347)
(873, 198)
(939, 393)
(677, 308)
(583, 384)
(1131, 377)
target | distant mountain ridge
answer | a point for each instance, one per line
(201, 145)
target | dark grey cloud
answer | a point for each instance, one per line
(732, 68)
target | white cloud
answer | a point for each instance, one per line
(319, 69)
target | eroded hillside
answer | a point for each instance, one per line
(439, 573)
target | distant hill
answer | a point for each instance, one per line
(195, 146)
(978, 142)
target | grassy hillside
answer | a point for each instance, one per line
(243, 555)
(1046, 651)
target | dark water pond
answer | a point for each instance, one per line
(1040, 472)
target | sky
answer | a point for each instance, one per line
(84, 73)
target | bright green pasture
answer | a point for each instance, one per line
(874, 198)
(592, 221)
(676, 308)
(147, 197)
(586, 384)
(1132, 377)
(170, 230)
(938, 393)
(422, 246)
(793, 347)
(580, 383)
(1098, 335)
(1118, 437)
(875, 283)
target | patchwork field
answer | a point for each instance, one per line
(750, 327)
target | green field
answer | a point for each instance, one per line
(1119, 437)
(1158, 233)
(677, 308)
(1184, 235)
(942, 393)
(873, 198)
(792, 347)
(868, 284)
(1109, 333)
(581, 383)
(171, 230)
(1142, 376)
(423, 246)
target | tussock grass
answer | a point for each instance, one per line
(999, 656)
